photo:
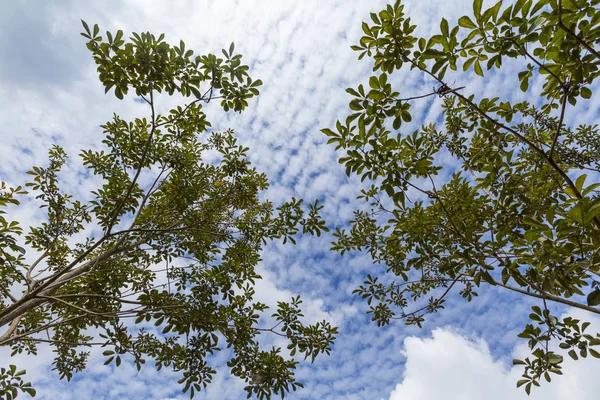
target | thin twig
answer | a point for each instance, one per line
(558, 128)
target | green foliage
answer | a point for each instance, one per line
(176, 254)
(518, 212)
(11, 382)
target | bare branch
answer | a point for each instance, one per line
(550, 297)
(11, 329)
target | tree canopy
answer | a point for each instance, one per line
(521, 212)
(157, 265)
(160, 264)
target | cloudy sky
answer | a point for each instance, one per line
(49, 93)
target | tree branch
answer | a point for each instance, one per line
(560, 122)
(11, 329)
(546, 296)
(412, 313)
(139, 169)
(32, 299)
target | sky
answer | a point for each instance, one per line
(49, 93)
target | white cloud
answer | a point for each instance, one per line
(451, 366)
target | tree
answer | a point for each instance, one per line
(167, 240)
(518, 212)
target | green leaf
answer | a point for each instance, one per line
(590, 188)
(477, 67)
(329, 132)
(495, 9)
(119, 93)
(374, 83)
(522, 382)
(382, 80)
(592, 213)
(366, 29)
(580, 181)
(86, 27)
(444, 27)
(593, 299)
(488, 278)
(554, 358)
(466, 22)
(586, 93)
(352, 92)
(576, 213)
(468, 63)
(573, 354)
(477, 9)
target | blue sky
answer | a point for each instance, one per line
(49, 93)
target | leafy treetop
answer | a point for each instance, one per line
(162, 270)
(522, 210)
